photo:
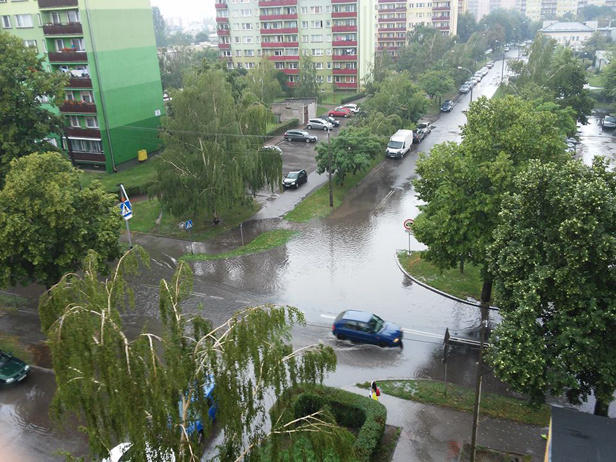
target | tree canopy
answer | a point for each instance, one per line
(262, 81)
(552, 257)
(174, 63)
(306, 86)
(147, 390)
(48, 222)
(160, 29)
(25, 123)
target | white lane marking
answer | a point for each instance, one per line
(389, 194)
(422, 333)
(328, 316)
(216, 297)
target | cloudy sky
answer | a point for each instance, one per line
(191, 9)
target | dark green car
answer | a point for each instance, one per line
(12, 370)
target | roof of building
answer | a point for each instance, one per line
(567, 27)
(577, 436)
(298, 100)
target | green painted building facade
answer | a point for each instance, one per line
(114, 99)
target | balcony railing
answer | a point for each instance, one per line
(344, 28)
(346, 84)
(78, 107)
(277, 2)
(392, 29)
(58, 3)
(223, 32)
(344, 57)
(89, 157)
(79, 82)
(345, 14)
(277, 17)
(345, 71)
(222, 19)
(290, 71)
(68, 57)
(441, 18)
(79, 132)
(279, 44)
(392, 19)
(220, 5)
(283, 58)
(63, 29)
(290, 30)
(344, 43)
(344, 1)
(224, 46)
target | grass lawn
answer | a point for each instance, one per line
(271, 126)
(11, 345)
(451, 281)
(138, 175)
(499, 93)
(11, 302)
(263, 242)
(316, 205)
(463, 399)
(595, 80)
(145, 214)
(321, 110)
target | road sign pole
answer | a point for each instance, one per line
(130, 241)
(409, 242)
(126, 200)
(242, 232)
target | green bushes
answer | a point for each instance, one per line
(283, 128)
(349, 410)
(351, 98)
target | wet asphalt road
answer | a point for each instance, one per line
(342, 262)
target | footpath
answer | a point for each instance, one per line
(433, 433)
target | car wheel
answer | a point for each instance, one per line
(324, 128)
(382, 344)
(309, 127)
(296, 185)
(287, 139)
(340, 337)
(401, 345)
(308, 140)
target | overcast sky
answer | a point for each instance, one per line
(191, 9)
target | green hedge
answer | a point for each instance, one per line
(349, 410)
(352, 98)
(283, 128)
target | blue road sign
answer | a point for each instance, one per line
(188, 224)
(126, 209)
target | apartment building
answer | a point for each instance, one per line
(113, 100)
(341, 36)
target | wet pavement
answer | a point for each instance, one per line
(345, 261)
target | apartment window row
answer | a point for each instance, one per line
(401, 16)
(352, 8)
(89, 146)
(22, 21)
(390, 6)
(84, 96)
(74, 44)
(279, 10)
(279, 25)
(81, 122)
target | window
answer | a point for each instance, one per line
(329, 79)
(87, 146)
(316, 38)
(318, 66)
(73, 17)
(86, 97)
(6, 22)
(304, 24)
(247, 39)
(316, 9)
(74, 121)
(70, 96)
(31, 44)
(55, 18)
(304, 9)
(249, 52)
(23, 20)
(246, 26)
(246, 13)
(317, 52)
(317, 24)
(91, 122)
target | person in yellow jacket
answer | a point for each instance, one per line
(374, 391)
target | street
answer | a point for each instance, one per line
(346, 261)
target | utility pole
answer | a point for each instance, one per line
(329, 169)
(503, 68)
(482, 333)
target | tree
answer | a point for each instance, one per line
(25, 123)
(597, 41)
(203, 36)
(436, 83)
(353, 151)
(306, 86)
(147, 390)
(467, 25)
(179, 38)
(608, 77)
(397, 95)
(463, 185)
(48, 222)
(424, 47)
(211, 143)
(553, 257)
(262, 82)
(174, 63)
(160, 32)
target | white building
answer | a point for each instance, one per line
(570, 34)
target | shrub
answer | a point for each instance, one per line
(283, 128)
(349, 410)
(352, 98)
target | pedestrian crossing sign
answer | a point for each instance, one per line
(126, 209)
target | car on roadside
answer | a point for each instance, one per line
(294, 179)
(490, 65)
(447, 106)
(319, 124)
(12, 369)
(464, 89)
(299, 135)
(507, 48)
(340, 112)
(365, 327)
(272, 148)
(331, 120)
(608, 122)
(424, 128)
(354, 108)
(484, 71)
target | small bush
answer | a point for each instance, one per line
(352, 98)
(283, 128)
(349, 410)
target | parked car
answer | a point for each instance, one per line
(470, 83)
(609, 122)
(507, 48)
(484, 71)
(352, 107)
(464, 89)
(299, 135)
(364, 327)
(399, 144)
(476, 80)
(478, 75)
(194, 426)
(294, 179)
(12, 369)
(447, 106)
(340, 112)
(424, 128)
(331, 120)
(124, 452)
(319, 124)
(490, 65)
(272, 148)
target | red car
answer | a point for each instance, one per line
(340, 112)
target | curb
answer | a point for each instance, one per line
(42, 369)
(436, 291)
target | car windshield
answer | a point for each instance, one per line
(302, 133)
(4, 358)
(292, 175)
(395, 144)
(422, 125)
(610, 119)
(376, 324)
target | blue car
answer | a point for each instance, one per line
(364, 327)
(194, 425)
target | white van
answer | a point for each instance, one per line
(399, 144)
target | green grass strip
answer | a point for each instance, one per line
(263, 242)
(316, 205)
(463, 399)
(139, 175)
(451, 281)
(11, 345)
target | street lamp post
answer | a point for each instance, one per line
(331, 187)
(472, 75)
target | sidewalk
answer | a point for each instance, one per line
(434, 433)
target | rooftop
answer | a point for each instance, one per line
(567, 27)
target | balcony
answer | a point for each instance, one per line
(344, 1)
(79, 82)
(222, 19)
(389, 1)
(345, 43)
(277, 2)
(345, 14)
(392, 10)
(283, 58)
(68, 57)
(290, 71)
(58, 4)
(392, 19)
(441, 18)
(63, 29)
(392, 29)
(290, 30)
(89, 157)
(344, 57)
(441, 8)
(345, 71)
(78, 107)
(220, 5)
(344, 28)
(279, 44)
(346, 84)
(390, 48)
(277, 17)
(224, 46)
(223, 32)
(78, 132)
